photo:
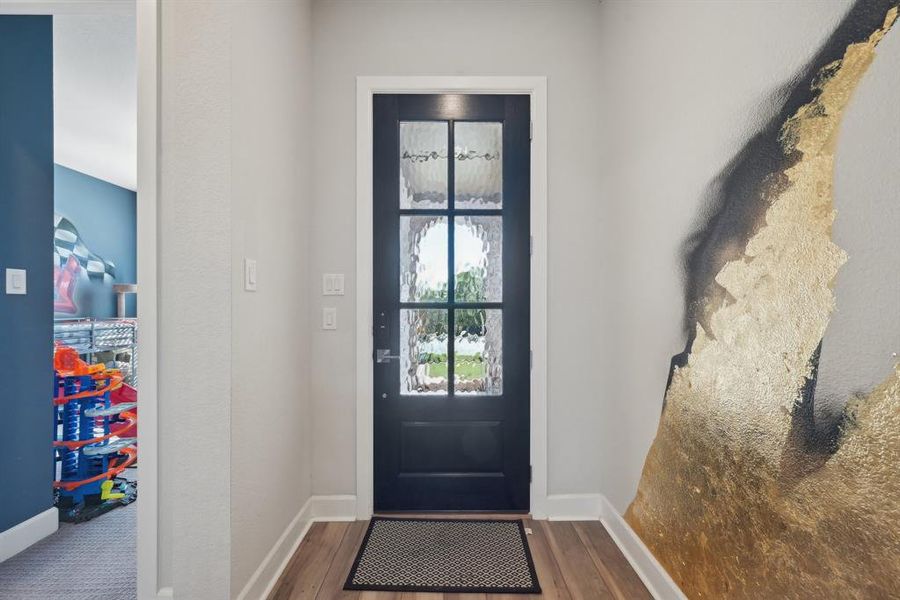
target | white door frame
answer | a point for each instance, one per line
(366, 86)
(147, 28)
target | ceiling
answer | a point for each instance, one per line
(95, 85)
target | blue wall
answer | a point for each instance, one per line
(105, 216)
(26, 234)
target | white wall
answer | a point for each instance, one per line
(862, 343)
(648, 101)
(195, 299)
(234, 412)
(270, 441)
(686, 84)
(447, 38)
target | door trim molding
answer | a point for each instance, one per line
(366, 87)
(148, 49)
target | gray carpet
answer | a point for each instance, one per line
(95, 560)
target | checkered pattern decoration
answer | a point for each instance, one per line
(67, 242)
(445, 555)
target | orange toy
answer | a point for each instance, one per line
(67, 363)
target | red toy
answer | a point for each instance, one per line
(120, 395)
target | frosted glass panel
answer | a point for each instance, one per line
(478, 352)
(423, 259)
(479, 165)
(423, 164)
(423, 351)
(478, 259)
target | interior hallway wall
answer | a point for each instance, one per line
(235, 450)
(648, 101)
(195, 283)
(686, 85)
(552, 38)
(271, 121)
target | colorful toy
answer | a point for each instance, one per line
(91, 442)
(124, 394)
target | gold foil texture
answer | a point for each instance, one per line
(730, 501)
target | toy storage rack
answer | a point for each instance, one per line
(91, 337)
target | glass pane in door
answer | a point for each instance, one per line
(478, 351)
(423, 164)
(478, 164)
(423, 258)
(478, 258)
(423, 351)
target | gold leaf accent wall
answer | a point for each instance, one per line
(733, 501)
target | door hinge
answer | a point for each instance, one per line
(530, 474)
(531, 360)
(530, 130)
(530, 245)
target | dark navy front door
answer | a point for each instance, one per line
(451, 302)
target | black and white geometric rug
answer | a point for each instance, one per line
(444, 555)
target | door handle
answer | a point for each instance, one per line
(383, 355)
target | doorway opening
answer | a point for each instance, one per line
(428, 374)
(451, 299)
(72, 292)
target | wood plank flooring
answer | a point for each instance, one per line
(574, 561)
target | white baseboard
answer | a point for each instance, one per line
(334, 508)
(266, 575)
(573, 507)
(164, 593)
(21, 536)
(317, 508)
(654, 576)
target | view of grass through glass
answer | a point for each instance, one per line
(478, 343)
(423, 351)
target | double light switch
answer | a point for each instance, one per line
(332, 285)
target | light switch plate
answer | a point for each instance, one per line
(16, 281)
(333, 284)
(249, 275)
(329, 318)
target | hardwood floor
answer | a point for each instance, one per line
(574, 561)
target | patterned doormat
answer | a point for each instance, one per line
(444, 555)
